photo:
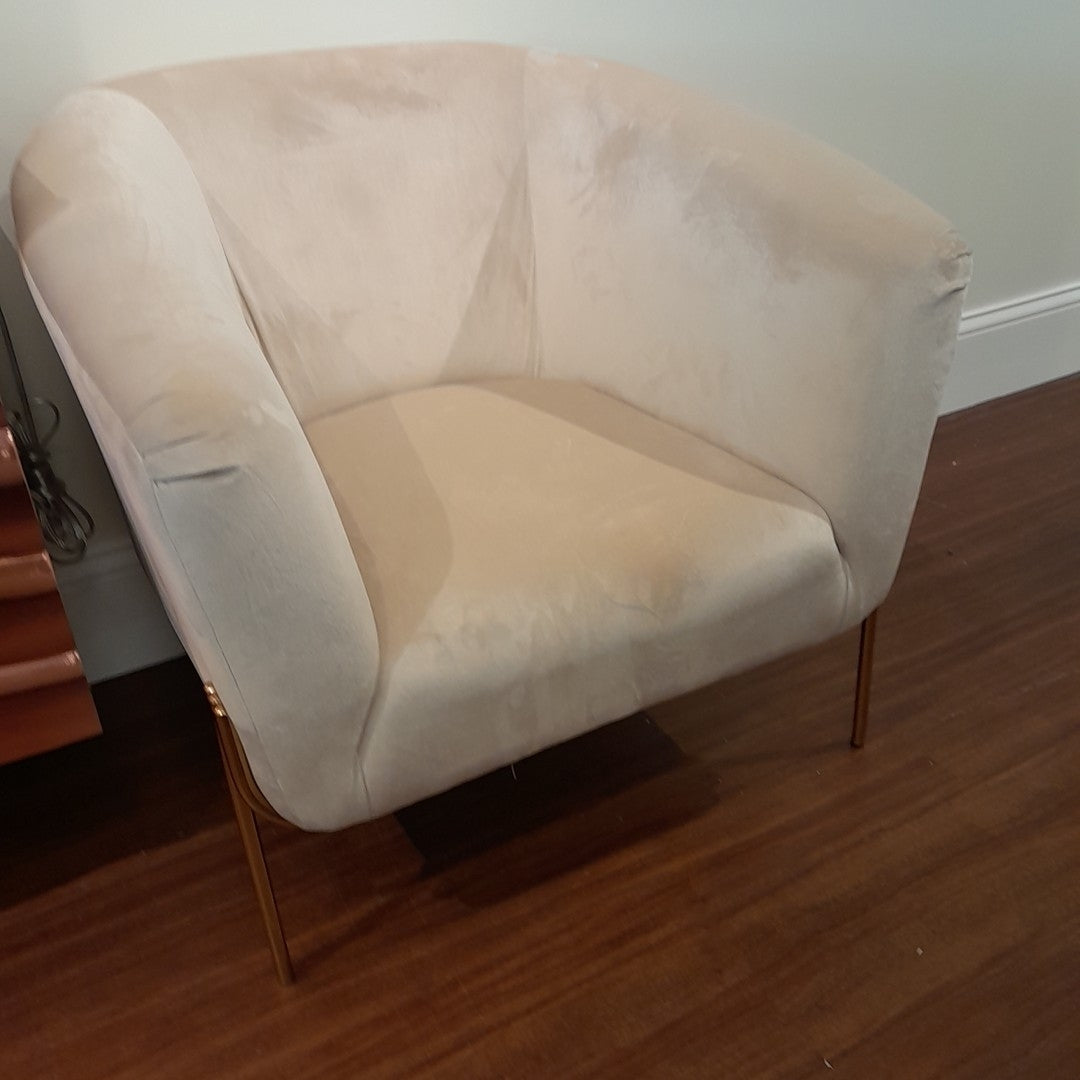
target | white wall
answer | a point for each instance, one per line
(972, 105)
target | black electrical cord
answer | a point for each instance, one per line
(65, 523)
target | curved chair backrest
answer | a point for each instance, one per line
(401, 216)
(372, 205)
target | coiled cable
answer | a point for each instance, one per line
(65, 523)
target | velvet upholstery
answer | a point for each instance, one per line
(465, 397)
(542, 558)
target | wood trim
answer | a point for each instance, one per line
(995, 316)
(1042, 329)
(44, 671)
(10, 469)
(45, 702)
(25, 575)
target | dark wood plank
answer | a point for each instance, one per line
(722, 890)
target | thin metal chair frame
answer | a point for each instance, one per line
(249, 804)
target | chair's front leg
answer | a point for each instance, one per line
(253, 849)
(862, 680)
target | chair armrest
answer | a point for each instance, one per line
(223, 491)
(750, 285)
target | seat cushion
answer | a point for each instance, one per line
(542, 558)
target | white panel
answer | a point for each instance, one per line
(1013, 346)
(115, 615)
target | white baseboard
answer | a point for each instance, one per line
(1011, 346)
(120, 626)
(115, 614)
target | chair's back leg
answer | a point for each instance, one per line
(862, 680)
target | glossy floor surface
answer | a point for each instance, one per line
(725, 890)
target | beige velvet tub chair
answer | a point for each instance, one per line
(465, 398)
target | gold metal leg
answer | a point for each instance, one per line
(862, 680)
(253, 849)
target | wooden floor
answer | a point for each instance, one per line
(726, 891)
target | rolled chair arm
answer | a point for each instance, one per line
(750, 285)
(225, 495)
